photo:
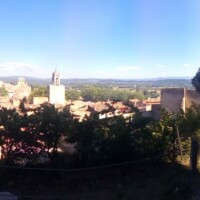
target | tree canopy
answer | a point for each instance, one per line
(92, 93)
(29, 137)
(196, 81)
(3, 92)
(39, 91)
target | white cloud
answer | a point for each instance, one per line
(17, 65)
(20, 69)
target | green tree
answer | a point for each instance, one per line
(39, 91)
(196, 81)
(116, 144)
(3, 92)
(151, 94)
(10, 122)
(86, 138)
(165, 132)
(53, 124)
(191, 128)
(93, 93)
(22, 105)
(193, 115)
(72, 95)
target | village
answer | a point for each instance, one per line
(79, 108)
(151, 107)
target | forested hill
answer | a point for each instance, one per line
(164, 82)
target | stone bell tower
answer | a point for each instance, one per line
(56, 78)
(56, 91)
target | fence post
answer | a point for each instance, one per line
(194, 154)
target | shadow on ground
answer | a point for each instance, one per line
(149, 181)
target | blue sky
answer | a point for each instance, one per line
(100, 38)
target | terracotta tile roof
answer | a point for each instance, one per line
(99, 106)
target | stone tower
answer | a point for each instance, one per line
(56, 91)
(56, 78)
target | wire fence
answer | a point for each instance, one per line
(89, 194)
(82, 169)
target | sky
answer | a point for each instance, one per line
(127, 39)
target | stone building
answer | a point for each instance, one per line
(56, 91)
(15, 93)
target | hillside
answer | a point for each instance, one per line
(72, 82)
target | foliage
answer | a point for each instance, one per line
(3, 92)
(22, 105)
(72, 95)
(51, 126)
(110, 140)
(117, 144)
(115, 139)
(196, 81)
(28, 136)
(92, 93)
(12, 141)
(103, 141)
(39, 91)
(151, 94)
(191, 121)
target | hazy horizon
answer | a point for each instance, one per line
(153, 78)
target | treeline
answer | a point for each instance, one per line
(57, 137)
(93, 93)
(38, 91)
(103, 94)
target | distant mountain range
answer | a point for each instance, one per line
(156, 82)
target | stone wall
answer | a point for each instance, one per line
(172, 99)
(40, 100)
(191, 96)
(175, 99)
(56, 94)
